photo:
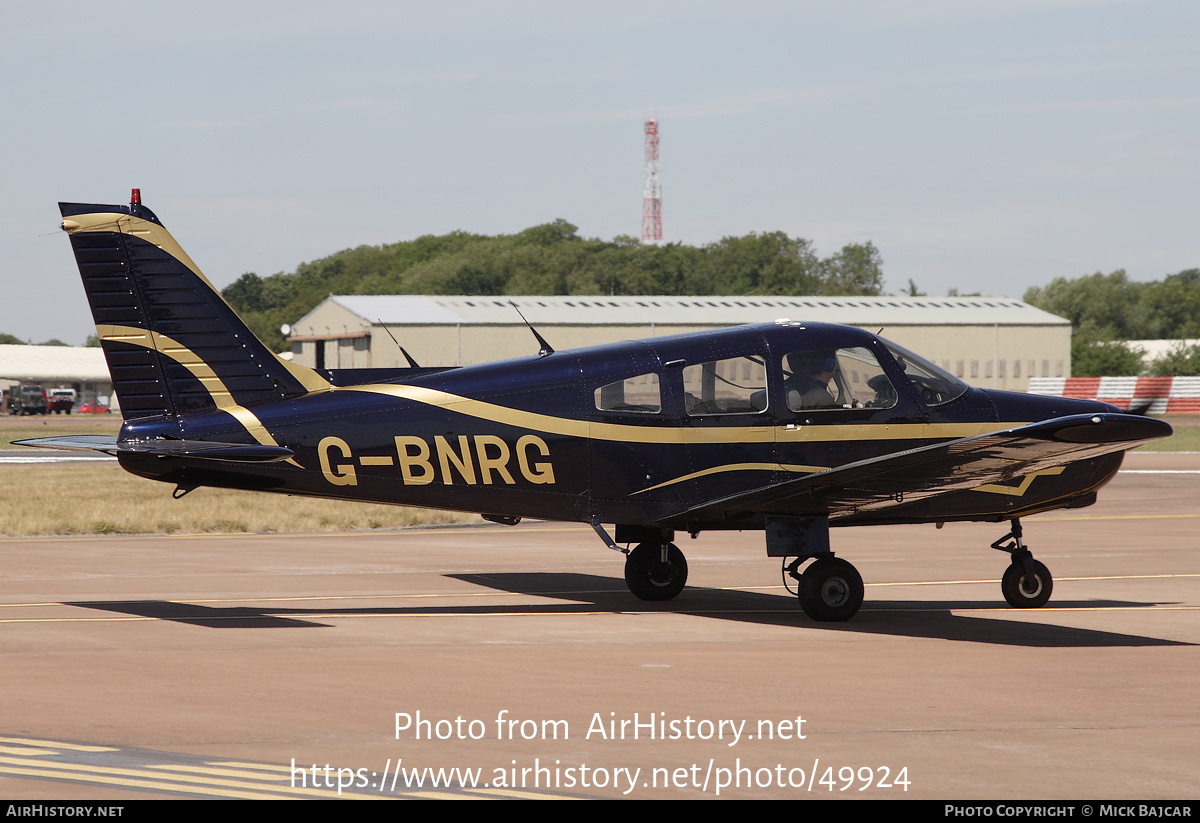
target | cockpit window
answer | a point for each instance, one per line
(935, 386)
(737, 385)
(634, 395)
(848, 378)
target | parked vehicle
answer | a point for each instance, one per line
(59, 400)
(27, 398)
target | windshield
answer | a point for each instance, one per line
(934, 385)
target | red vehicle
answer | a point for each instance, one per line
(93, 407)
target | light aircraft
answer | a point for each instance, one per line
(787, 427)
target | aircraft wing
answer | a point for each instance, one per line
(954, 465)
(195, 449)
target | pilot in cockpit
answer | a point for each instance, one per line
(808, 385)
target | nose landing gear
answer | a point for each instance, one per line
(1026, 584)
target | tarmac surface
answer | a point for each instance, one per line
(258, 666)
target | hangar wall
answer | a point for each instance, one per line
(988, 342)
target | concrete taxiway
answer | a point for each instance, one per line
(256, 666)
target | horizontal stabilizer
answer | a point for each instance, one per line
(953, 465)
(193, 449)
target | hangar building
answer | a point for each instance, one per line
(80, 367)
(993, 342)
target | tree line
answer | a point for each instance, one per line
(1107, 309)
(1104, 309)
(553, 259)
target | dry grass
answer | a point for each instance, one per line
(103, 499)
(52, 425)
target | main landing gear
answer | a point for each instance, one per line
(1026, 584)
(655, 570)
(831, 590)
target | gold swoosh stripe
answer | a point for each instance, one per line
(203, 372)
(101, 222)
(176, 351)
(671, 435)
(737, 467)
(105, 222)
(1018, 490)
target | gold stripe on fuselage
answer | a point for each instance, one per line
(737, 467)
(677, 435)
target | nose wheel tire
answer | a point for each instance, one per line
(1027, 590)
(831, 590)
(651, 576)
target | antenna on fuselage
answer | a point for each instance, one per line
(411, 363)
(545, 350)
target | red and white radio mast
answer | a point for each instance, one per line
(652, 207)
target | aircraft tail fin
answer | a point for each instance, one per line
(173, 345)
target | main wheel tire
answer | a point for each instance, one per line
(649, 578)
(831, 590)
(1023, 592)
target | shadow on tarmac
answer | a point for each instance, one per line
(591, 593)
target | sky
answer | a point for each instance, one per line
(982, 146)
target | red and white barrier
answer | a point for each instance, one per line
(1167, 395)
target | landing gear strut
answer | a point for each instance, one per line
(1026, 584)
(830, 590)
(655, 571)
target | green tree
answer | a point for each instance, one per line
(856, 270)
(771, 263)
(1181, 360)
(1172, 306)
(553, 259)
(8, 339)
(1092, 357)
(245, 294)
(1104, 306)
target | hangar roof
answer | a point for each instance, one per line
(50, 363)
(424, 310)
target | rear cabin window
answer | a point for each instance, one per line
(633, 395)
(737, 385)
